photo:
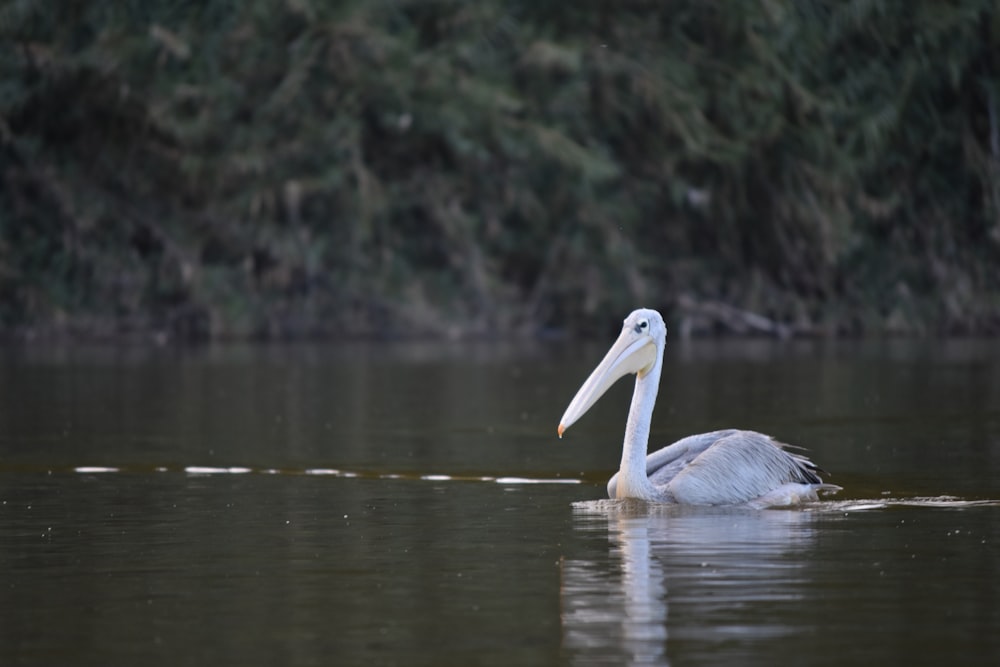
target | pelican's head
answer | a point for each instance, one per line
(636, 350)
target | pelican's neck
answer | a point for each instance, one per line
(632, 479)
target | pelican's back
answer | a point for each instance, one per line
(738, 468)
(728, 467)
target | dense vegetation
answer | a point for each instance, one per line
(309, 168)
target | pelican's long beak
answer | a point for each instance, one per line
(631, 353)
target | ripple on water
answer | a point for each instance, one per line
(600, 506)
(331, 472)
(632, 506)
(946, 502)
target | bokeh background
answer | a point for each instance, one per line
(389, 168)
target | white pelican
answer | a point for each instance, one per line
(729, 467)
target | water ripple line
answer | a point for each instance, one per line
(204, 470)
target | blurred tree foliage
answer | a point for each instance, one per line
(388, 167)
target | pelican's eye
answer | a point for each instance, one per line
(642, 325)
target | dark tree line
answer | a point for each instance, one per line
(393, 168)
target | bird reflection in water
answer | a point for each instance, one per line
(715, 568)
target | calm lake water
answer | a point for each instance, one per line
(376, 504)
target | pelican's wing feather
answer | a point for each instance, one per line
(739, 467)
(664, 464)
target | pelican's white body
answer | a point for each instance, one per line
(730, 467)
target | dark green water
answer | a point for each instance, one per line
(368, 505)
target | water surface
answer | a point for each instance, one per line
(372, 504)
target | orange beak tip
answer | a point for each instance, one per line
(561, 430)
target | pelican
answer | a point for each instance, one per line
(728, 467)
